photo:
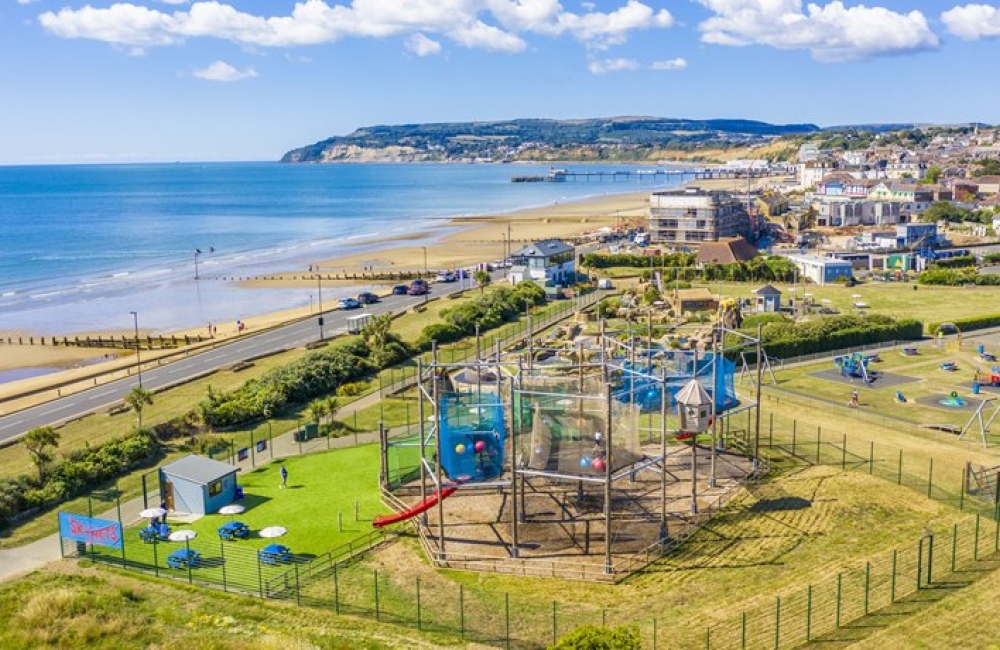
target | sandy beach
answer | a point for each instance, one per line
(461, 242)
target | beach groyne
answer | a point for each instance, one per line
(121, 342)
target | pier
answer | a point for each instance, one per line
(563, 175)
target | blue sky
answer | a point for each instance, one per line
(164, 80)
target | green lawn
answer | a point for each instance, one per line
(318, 508)
(923, 395)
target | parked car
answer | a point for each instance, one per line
(418, 288)
(400, 290)
(348, 303)
(368, 298)
(446, 276)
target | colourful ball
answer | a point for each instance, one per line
(598, 465)
(585, 461)
(460, 449)
(480, 446)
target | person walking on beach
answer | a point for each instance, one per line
(284, 476)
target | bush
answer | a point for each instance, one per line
(440, 332)
(785, 339)
(353, 388)
(599, 637)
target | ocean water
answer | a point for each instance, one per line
(81, 247)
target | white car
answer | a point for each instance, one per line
(446, 276)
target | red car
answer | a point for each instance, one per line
(418, 288)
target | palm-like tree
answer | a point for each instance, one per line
(137, 399)
(40, 442)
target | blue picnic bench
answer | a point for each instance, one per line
(185, 558)
(275, 553)
(233, 530)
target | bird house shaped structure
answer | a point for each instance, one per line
(694, 408)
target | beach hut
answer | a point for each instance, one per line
(768, 299)
(197, 485)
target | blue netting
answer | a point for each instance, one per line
(643, 381)
(472, 436)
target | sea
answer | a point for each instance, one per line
(82, 247)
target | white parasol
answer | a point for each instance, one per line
(273, 531)
(182, 535)
(149, 513)
(231, 509)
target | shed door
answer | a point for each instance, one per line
(168, 494)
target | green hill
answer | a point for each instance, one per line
(634, 138)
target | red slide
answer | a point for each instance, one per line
(414, 510)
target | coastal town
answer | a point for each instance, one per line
(774, 383)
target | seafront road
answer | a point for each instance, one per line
(247, 346)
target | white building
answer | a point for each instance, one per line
(821, 270)
(549, 260)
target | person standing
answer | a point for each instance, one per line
(284, 476)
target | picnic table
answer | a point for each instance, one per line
(275, 553)
(183, 559)
(233, 530)
(150, 534)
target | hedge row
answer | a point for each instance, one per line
(958, 262)
(968, 324)
(81, 471)
(317, 373)
(788, 339)
(624, 260)
(487, 311)
(957, 277)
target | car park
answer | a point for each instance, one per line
(400, 290)
(348, 303)
(368, 298)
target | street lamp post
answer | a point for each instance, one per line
(138, 361)
(197, 252)
(425, 259)
(319, 286)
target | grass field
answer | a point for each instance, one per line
(803, 528)
(926, 385)
(318, 506)
(72, 606)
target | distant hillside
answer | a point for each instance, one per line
(618, 138)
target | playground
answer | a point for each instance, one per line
(579, 465)
(939, 385)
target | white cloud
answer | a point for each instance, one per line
(422, 46)
(222, 71)
(613, 65)
(971, 22)
(670, 64)
(831, 32)
(605, 29)
(494, 25)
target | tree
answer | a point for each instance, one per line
(482, 278)
(385, 346)
(317, 409)
(40, 442)
(933, 174)
(137, 399)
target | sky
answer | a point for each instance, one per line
(95, 81)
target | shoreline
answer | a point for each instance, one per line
(455, 242)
